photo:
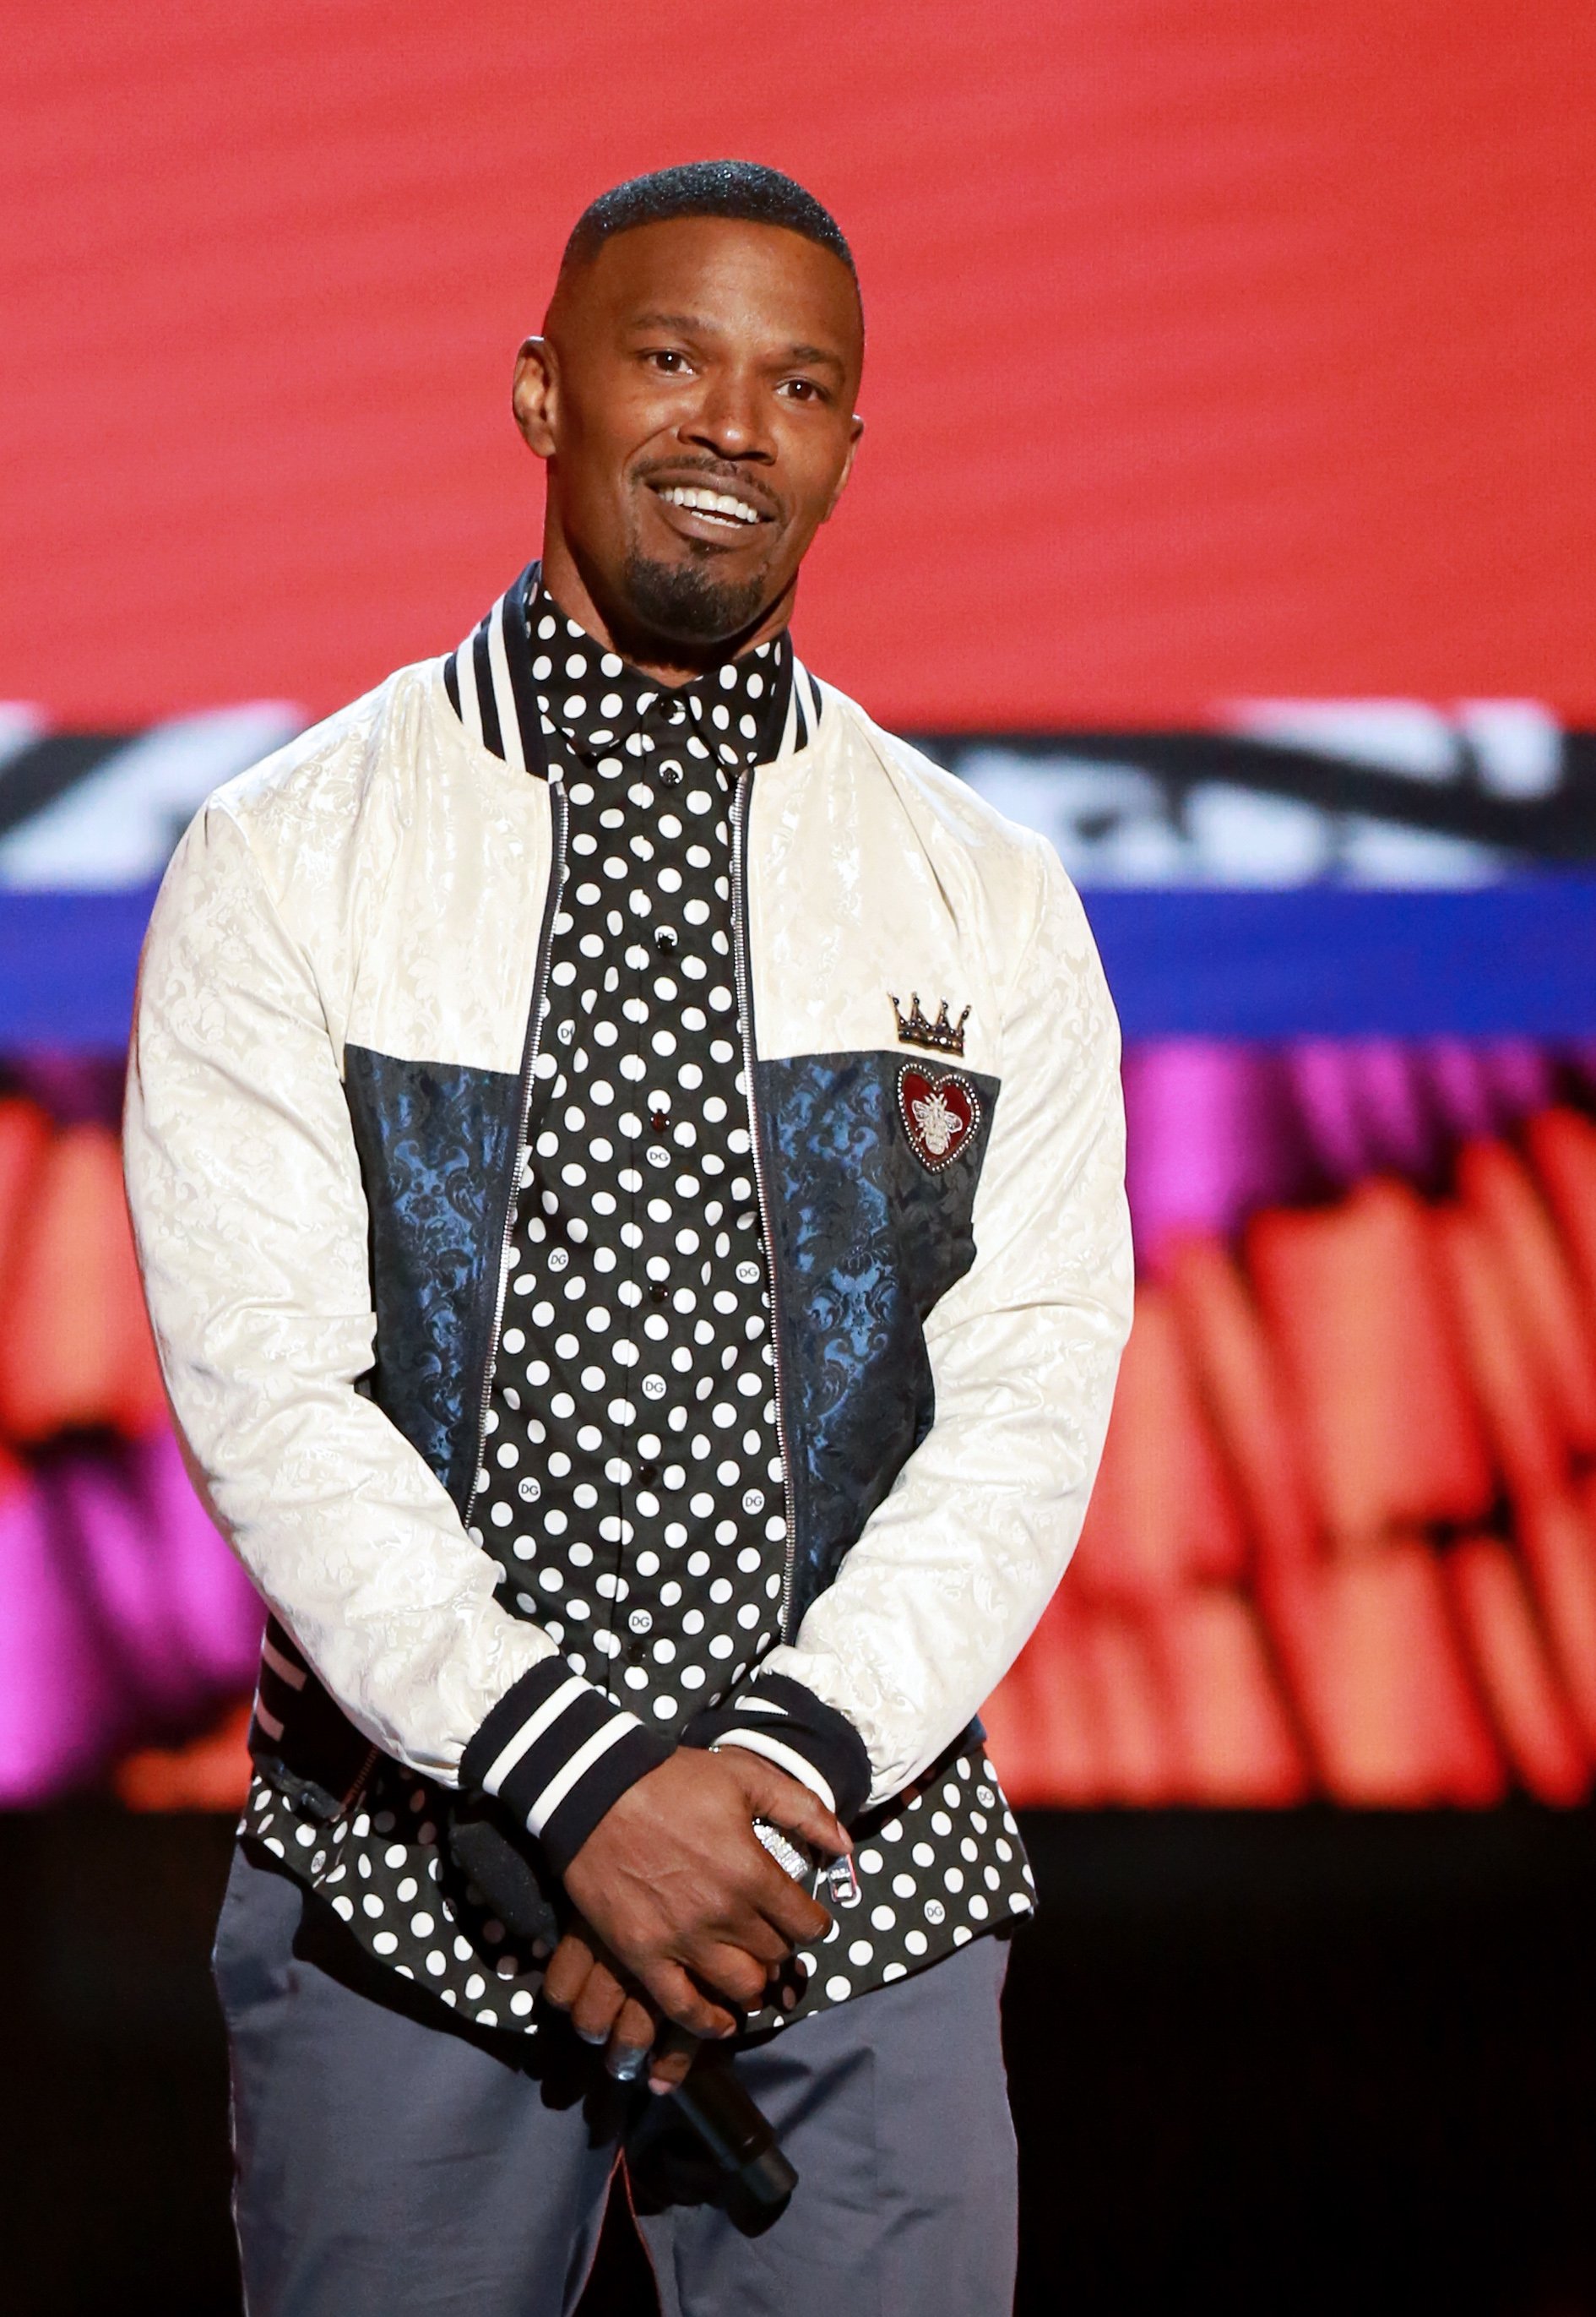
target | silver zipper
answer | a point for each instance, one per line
(556, 875)
(745, 1023)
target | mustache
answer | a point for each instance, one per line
(711, 470)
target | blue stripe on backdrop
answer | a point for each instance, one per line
(68, 965)
(1499, 961)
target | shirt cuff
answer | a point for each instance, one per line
(778, 1718)
(557, 1753)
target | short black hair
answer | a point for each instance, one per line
(745, 190)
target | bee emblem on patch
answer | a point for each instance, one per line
(941, 1112)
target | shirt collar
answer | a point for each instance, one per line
(512, 684)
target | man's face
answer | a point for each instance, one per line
(693, 396)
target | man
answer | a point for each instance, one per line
(626, 1163)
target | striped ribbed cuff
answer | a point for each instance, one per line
(786, 1723)
(298, 1739)
(557, 1753)
(283, 1677)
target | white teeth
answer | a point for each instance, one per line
(709, 503)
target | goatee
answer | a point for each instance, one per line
(686, 603)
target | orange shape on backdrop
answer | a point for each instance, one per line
(1563, 1146)
(1013, 1738)
(1555, 1538)
(75, 1348)
(1353, 1296)
(1236, 1373)
(1553, 1318)
(1511, 1658)
(24, 1136)
(1237, 1738)
(14, 1478)
(1519, 1420)
(1392, 1713)
(1143, 1761)
(211, 1773)
(1163, 1512)
(1044, 1722)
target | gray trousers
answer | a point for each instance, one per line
(391, 2166)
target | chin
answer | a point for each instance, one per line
(688, 604)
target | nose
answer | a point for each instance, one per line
(729, 419)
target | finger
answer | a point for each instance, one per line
(681, 2001)
(730, 1972)
(800, 1918)
(788, 1803)
(598, 2007)
(771, 1915)
(746, 1927)
(667, 2068)
(568, 1971)
(631, 2040)
(674, 2053)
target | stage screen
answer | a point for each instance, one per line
(1225, 512)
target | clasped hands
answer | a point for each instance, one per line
(681, 1911)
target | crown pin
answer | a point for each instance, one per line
(939, 1037)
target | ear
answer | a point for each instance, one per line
(856, 431)
(534, 396)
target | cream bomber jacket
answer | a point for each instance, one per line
(325, 1121)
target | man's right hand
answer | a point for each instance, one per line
(680, 1888)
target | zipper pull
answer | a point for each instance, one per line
(841, 1883)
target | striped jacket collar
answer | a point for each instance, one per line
(489, 681)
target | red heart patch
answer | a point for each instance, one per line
(941, 1112)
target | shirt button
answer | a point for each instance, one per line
(664, 939)
(657, 1291)
(670, 776)
(641, 1621)
(648, 1474)
(659, 1121)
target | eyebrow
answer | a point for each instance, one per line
(695, 326)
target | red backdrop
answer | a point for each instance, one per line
(1218, 347)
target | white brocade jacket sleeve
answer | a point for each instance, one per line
(953, 1569)
(251, 1225)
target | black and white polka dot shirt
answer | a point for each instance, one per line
(631, 1487)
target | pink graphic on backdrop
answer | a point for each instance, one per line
(1401, 1125)
(97, 1522)
(61, 1704)
(1211, 1134)
(1324, 1083)
(1216, 1130)
(217, 1610)
(121, 1611)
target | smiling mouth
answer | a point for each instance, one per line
(719, 507)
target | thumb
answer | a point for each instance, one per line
(786, 1803)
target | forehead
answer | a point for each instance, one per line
(739, 279)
